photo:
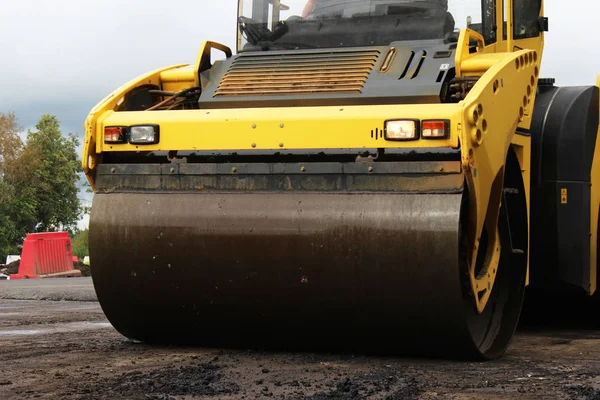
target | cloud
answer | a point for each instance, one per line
(570, 54)
(65, 49)
(63, 56)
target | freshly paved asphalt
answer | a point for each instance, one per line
(65, 289)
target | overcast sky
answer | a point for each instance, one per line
(63, 56)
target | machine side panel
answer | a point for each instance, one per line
(567, 207)
(564, 131)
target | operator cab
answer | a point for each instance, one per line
(309, 24)
(313, 24)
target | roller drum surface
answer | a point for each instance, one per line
(293, 270)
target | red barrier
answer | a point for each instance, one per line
(46, 255)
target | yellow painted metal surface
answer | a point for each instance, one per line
(503, 45)
(594, 212)
(505, 94)
(564, 196)
(275, 128)
(492, 111)
(526, 54)
(483, 125)
(176, 80)
(110, 102)
(204, 61)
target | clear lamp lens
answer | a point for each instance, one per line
(401, 130)
(143, 134)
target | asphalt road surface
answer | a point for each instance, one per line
(66, 289)
(51, 348)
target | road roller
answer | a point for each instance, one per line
(358, 175)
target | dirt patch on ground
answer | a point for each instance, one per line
(84, 268)
(10, 269)
(13, 268)
(203, 379)
(37, 361)
(387, 383)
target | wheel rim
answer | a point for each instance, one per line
(492, 320)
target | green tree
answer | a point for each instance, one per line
(8, 228)
(11, 147)
(10, 142)
(80, 244)
(55, 181)
(38, 181)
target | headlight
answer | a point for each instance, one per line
(144, 134)
(436, 129)
(406, 129)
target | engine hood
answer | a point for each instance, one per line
(401, 73)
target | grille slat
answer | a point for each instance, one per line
(315, 61)
(298, 85)
(331, 86)
(277, 82)
(262, 72)
(306, 77)
(311, 55)
(312, 90)
(310, 67)
(298, 73)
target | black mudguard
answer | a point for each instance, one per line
(564, 130)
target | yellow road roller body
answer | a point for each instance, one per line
(360, 175)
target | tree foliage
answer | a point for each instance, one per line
(11, 147)
(10, 142)
(80, 244)
(38, 181)
(57, 177)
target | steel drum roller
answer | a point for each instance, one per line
(374, 271)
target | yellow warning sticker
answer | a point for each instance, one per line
(564, 196)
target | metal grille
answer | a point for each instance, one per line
(342, 72)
